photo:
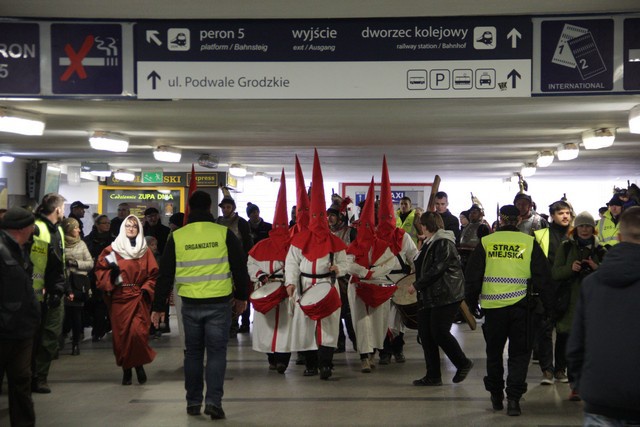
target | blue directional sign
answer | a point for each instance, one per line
(86, 59)
(577, 55)
(19, 59)
(631, 46)
(488, 56)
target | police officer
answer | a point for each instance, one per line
(209, 267)
(49, 284)
(503, 272)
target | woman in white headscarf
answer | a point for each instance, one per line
(126, 271)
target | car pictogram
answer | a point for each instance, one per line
(485, 79)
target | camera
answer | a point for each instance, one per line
(585, 268)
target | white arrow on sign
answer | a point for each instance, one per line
(152, 36)
(514, 35)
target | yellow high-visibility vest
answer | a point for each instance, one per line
(608, 230)
(40, 256)
(407, 225)
(507, 268)
(202, 261)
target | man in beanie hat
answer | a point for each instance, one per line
(266, 265)
(155, 228)
(50, 284)
(529, 220)
(240, 227)
(550, 239)
(20, 313)
(77, 212)
(315, 257)
(503, 272)
(259, 228)
(608, 226)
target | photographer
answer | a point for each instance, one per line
(575, 259)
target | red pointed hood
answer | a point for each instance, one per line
(366, 238)
(387, 229)
(277, 245)
(302, 202)
(317, 241)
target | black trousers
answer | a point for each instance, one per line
(73, 322)
(434, 327)
(345, 317)
(502, 324)
(15, 361)
(319, 358)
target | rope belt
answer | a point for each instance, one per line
(126, 285)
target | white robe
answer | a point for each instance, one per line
(308, 334)
(408, 252)
(370, 323)
(271, 331)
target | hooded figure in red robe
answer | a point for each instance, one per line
(405, 251)
(316, 257)
(370, 289)
(266, 270)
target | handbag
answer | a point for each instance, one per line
(80, 282)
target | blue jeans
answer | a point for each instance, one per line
(595, 420)
(205, 326)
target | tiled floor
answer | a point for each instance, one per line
(86, 391)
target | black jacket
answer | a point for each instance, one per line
(167, 264)
(604, 345)
(19, 308)
(440, 280)
(55, 279)
(160, 232)
(451, 223)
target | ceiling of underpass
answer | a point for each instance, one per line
(484, 138)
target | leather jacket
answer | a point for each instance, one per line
(440, 280)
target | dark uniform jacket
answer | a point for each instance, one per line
(19, 308)
(540, 274)
(160, 232)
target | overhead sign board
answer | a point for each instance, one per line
(631, 54)
(576, 55)
(19, 58)
(86, 59)
(344, 58)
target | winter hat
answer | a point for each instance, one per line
(226, 198)
(584, 218)
(509, 213)
(616, 201)
(251, 208)
(177, 219)
(16, 219)
(68, 224)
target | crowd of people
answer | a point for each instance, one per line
(324, 271)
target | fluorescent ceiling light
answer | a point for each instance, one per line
(545, 158)
(634, 119)
(102, 174)
(167, 154)
(109, 141)
(238, 170)
(568, 151)
(123, 175)
(261, 176)
(528, 169)
(15, 121)
(599, 138)
(5, 158)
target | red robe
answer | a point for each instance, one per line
(129, 311)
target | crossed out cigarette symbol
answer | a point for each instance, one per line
(76, 59)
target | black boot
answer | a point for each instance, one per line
(513, 408)
(75, 350)
(141, 374)
(126, 376)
